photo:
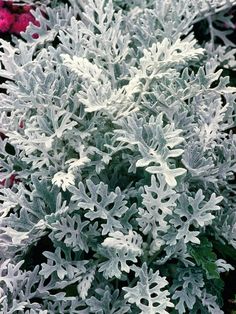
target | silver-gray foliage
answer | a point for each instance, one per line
(124, 163)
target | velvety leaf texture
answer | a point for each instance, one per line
(118, 158)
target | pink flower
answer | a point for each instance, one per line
(1, 3)
(21, 124)
(22, 21)
(27, 8)
(2, 136)
(11, 5)
(35, 36)
(6, 20)
(8, 183)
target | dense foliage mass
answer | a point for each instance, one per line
(118, 159)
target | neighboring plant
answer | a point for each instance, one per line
(14, 18)
(118, 161)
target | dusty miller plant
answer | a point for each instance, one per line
(120, 132)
